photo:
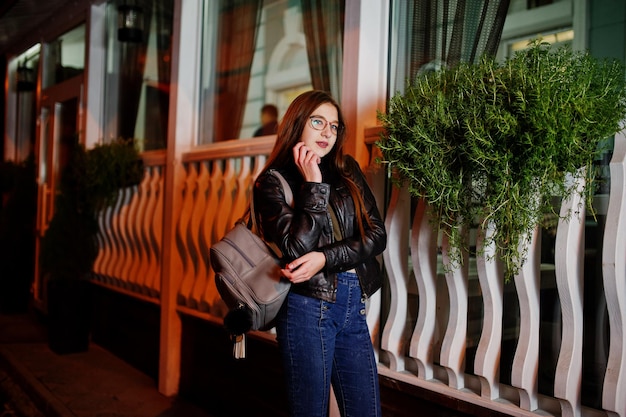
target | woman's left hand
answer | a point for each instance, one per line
(303, 268)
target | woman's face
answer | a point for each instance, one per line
(320, 131)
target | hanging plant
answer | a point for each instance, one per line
(494, 142)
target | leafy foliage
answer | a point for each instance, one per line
(493, 142)
(110, 167)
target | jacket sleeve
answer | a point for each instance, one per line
(295, 230)
(355, 249)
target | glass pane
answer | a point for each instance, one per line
(269, 66)
(555, 39)
(64, 58)
(22, 72)
(137, 81)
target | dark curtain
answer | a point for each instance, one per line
(132, 65)
(238, 24)
(323, 23)
(445, 32)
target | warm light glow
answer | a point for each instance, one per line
(553, 39)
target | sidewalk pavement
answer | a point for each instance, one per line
(95, 383)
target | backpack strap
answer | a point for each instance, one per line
(288, 198)
(285, 184)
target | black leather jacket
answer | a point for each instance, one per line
(307, 226)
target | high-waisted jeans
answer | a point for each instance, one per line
(322, 342)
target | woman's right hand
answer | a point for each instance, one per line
(303, 268)
(307, 162)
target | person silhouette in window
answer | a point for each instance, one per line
(269, 121)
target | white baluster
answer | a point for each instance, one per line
(396, 264)
(123, 197)
(424, 258)
(182, 232)
(156, 235)
(132, 240)
(109, 261)
(211, 300)
(192, 239)
(118, 247)
(614, 271)
(377, 179)
(569, 251)
(103, 247)
(141, 252)
(241, 198)
(150, 267)
(223, 221)
(452, 355)
(199, 219)
(490, 276)
(526, 360)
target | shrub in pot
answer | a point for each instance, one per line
(494, 142)
(69, 247)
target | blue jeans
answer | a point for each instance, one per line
(322, 342)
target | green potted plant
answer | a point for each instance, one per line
(18, 203)
(69, 248)
(494, 142)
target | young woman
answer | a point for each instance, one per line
(329, 238)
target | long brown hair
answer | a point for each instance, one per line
(290, 133)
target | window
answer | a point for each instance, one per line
(553, 21)
(137, 80)
(20, 119)
(264, 51)
(64, 57)
(428, 35)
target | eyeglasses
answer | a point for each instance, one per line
(319, 123)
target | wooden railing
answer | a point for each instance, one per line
(516, 348)
(130, 241)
